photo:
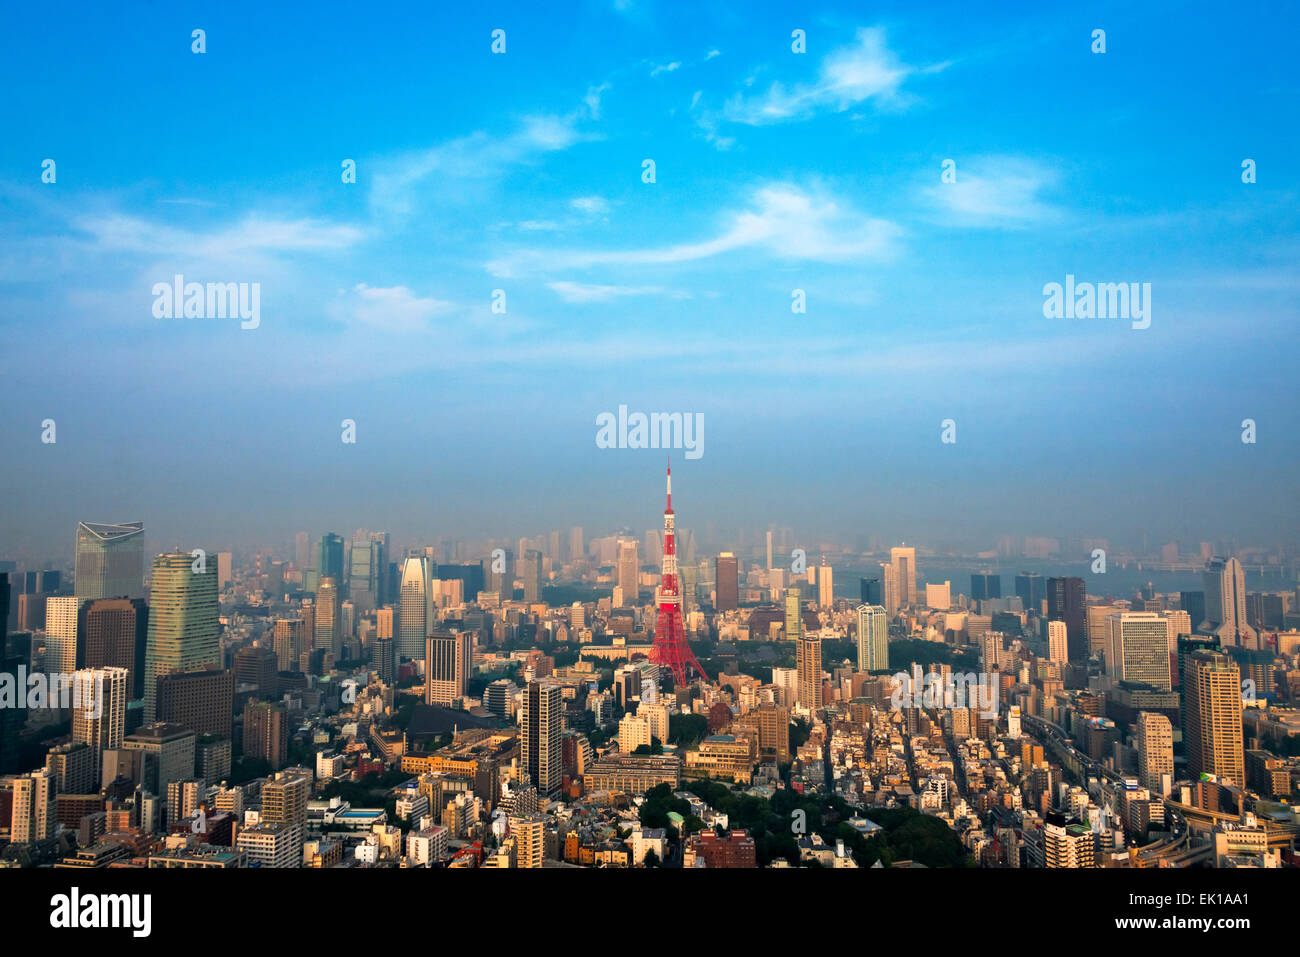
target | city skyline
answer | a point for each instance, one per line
(630, 436)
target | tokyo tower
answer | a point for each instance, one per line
(670, 647)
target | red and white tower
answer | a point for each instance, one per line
(670, 647)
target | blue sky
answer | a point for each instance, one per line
(775, 171)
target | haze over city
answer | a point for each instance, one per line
(637, 438)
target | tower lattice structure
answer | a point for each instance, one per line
(670, 647)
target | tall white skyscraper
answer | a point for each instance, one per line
(413, 608)
(1180, 623)
(1057, 647)
(1155, 741)
(101, 723)
(873, 638)
(33, 807)
(1225, 604)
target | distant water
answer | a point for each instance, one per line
(1118, 581)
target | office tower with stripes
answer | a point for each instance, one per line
(413, 608)
(873, 638)
(448, 659)
(540, 730)
(1213, 717)
(109, 560)
(184, 631)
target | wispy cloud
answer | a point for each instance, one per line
(995, 192)
(783, 220)
(592, 99)
(392, 309)
(592, 205)
(590, 292)
(665, 68)
(132, 234)
(847, 77)
(479, 156)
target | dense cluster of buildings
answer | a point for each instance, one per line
(346, 708)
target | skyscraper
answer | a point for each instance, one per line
(183, 624)
(985, 585)
(727, 582)
(825, 586)
(903, 560)
(103, 724)
(629, 570)
(576, 550)
(329, 558)
(112, 633)
(266, 732)
(288, 642)
(872, 591)
(502, 581)
(110, 560)
(202, 701)
(873, 638)
(448, 659)
(1031, 590)
(302, 552)
(1058, 648)
(13, 669)
(1155, 740)
(61, 615)
(33, 808)
(413, 610)
(284, 802)
(793, 613)
(541, 749)
(808, 667)
(889, 586)
(1214, 731)
(364, 562)
(1065, 602)
(1138, 649)
(1193, 602)
(329, 617)
(1225, 604)
(530, 570)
